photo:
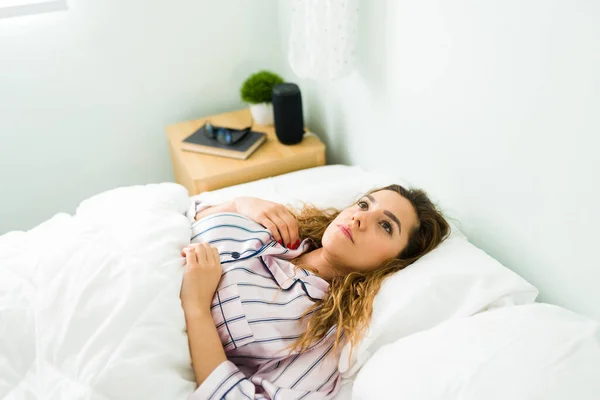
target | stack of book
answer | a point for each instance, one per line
(198, 142)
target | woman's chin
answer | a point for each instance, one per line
(336, 241)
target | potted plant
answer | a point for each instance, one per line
(257, 91)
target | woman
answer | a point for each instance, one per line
(267, 314)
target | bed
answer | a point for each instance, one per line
(89, 308)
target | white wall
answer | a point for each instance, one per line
(85, 94)
(494, 108)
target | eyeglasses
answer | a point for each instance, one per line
(226, 136)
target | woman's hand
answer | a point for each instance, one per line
(275, 217)
(201, 278)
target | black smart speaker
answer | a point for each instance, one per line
(287, 113)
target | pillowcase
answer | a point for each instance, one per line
(455, 280)
(534, 351)
(335, 186)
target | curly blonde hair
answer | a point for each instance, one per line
(349, 302)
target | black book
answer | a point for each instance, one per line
(200, 143)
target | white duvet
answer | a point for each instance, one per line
(89, 304)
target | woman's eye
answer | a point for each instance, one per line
(387, 226)
(363, 205)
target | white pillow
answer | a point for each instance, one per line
(534, 351)
(455, 280)
(327, 186)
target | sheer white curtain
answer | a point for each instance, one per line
(323, 38)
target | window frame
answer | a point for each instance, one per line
(30, 7)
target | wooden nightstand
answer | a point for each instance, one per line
(202, 172)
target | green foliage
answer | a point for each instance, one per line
(259, 86)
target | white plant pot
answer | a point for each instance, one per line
(262, 113)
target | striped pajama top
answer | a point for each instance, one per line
(256, 310)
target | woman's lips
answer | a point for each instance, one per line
(346, 231)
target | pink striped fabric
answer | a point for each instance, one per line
(257, 309)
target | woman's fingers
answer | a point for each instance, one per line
(208, 251)
(195, 252)
(267, 223)
(190, 257)
(292, 227)
(281, 227)
(287, 226)
(202, 252)
(215, 255)
(273, 216)
(202, 255)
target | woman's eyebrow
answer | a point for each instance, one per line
(386, 212)
(393, 218)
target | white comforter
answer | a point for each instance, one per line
(89, 304)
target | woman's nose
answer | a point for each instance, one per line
(356, 219)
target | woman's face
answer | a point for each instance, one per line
(365, 235)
